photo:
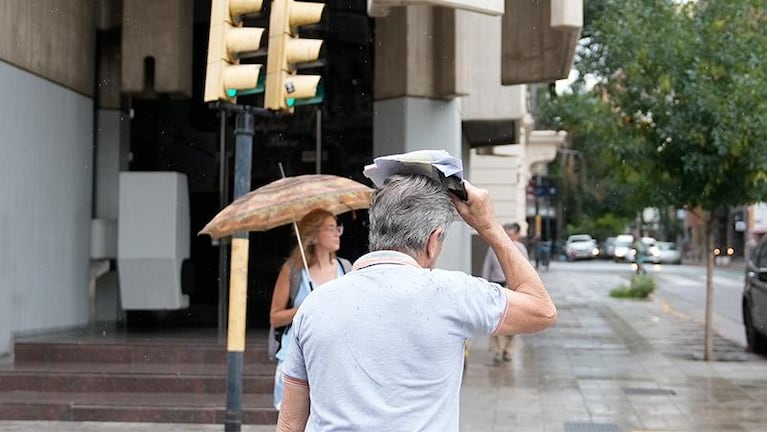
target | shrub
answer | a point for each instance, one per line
(641, 287)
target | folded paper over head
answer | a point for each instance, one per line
(437, 164)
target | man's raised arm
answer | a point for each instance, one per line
(529, 304)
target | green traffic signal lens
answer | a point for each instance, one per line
(319, 96)
(231, 92)
(291, 102)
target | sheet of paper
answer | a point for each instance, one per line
(425, 162)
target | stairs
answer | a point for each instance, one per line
(163, 377)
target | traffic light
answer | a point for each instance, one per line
(225, 78)
(284, 88)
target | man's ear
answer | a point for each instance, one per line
(434, 244)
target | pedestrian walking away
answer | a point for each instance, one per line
(322, 238)
(382, 347)
(501, 345)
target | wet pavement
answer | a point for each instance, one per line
(608, 365)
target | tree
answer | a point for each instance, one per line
(681, 93)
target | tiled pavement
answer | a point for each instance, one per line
(608, 365)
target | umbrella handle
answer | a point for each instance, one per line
(301, 247)
(298, 236)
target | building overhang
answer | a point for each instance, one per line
(487, 133)
(380, 8)
(543, 145)
(539, 40)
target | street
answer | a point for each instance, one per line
(683, 289)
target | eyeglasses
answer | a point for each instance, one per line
(334, 229)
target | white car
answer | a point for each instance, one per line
(669, 253)
(650, 251)
(581, 246)
(624, 248)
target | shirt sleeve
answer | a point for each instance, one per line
(481, 305)
(294, 365)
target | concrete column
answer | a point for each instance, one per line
(406, 124)
(416, 78)
(161, 31)
(111, 156)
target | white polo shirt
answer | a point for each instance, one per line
(381, 348)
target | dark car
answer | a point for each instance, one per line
(755, 299)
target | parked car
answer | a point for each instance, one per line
(624, 248)
(669, 253)
(581, 246)
(755, 299)
(649, 250)
(607, 248)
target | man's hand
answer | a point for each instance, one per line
(477, 211)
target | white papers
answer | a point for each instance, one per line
(430, 163)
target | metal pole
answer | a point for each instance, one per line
(538, 229)
(238, 277)
(223, 256)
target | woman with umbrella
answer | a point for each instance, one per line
(321, 236)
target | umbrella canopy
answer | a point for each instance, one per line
(287, 200)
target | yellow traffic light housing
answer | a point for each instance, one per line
(284, 88)
(225, 78)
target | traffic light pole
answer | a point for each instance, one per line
(238, 275)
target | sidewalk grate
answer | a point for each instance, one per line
(648, 391)
(591, 427)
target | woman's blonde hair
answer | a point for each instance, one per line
(309, 226)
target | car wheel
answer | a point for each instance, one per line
(755, 340)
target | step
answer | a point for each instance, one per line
(132, 407)
(132, 352)
(118, 377)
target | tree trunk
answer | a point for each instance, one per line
(709, 254)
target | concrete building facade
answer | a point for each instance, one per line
(74, 74)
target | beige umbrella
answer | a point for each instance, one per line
(287, 200)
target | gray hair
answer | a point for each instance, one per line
(405, 211)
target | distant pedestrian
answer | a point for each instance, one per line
(381, 349)
(491, 270)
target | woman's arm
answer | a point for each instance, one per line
(280, 315)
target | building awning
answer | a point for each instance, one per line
(538, 40)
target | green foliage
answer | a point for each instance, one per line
(601, 227)
(641, 287)
(678, 113)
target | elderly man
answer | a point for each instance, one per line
(382, 347)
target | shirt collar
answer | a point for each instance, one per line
(385, 257)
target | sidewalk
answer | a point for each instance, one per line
(614, 365)
(608, 365)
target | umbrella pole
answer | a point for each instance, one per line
(301, 248)
(298, 234)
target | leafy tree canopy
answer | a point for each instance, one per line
(678, 107)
